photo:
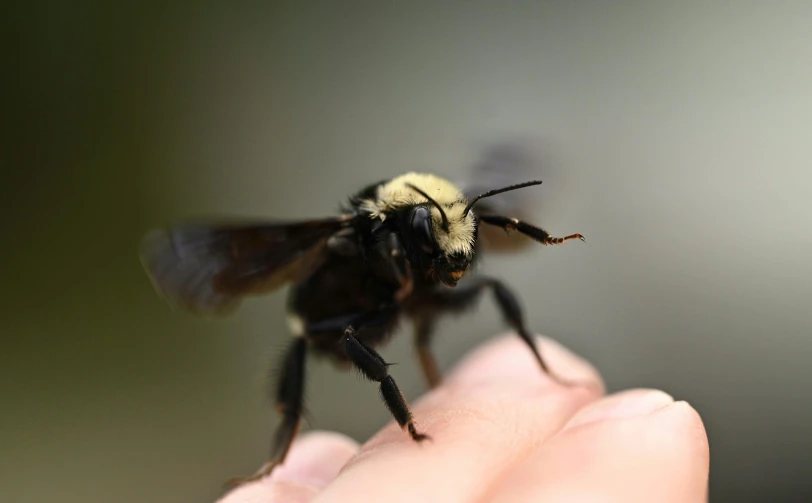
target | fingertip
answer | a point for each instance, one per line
(625, 404)
(508, 357)
(683, 417)
(651, 451)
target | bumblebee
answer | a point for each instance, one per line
(398, 249)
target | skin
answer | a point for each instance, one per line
(504, 432)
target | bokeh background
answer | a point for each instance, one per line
(676, 136)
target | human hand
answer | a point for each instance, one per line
(502, 431)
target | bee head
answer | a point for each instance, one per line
(438, 228)
(443, 241)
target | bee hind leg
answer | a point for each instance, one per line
(289, 403)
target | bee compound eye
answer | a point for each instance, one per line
(421, 227)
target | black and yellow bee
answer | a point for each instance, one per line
(398, 249)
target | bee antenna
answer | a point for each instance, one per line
(435, 203)
(499, 191)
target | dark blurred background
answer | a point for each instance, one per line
(676, 137)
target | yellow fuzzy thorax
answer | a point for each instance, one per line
(396, 194)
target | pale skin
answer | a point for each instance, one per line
(503, 432)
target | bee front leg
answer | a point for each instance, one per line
(536, 233)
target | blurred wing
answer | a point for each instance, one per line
(500, 165)
(207, 269)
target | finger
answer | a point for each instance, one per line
(313, 462)
(488, 413)
(636, 446)
(508, 358)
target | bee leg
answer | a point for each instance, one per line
(454, 301)
(289, 402)
(425, 312)
(536, 233)
(424, 329)
(512, 311)
(375, 368)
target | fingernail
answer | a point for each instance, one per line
(627, 404)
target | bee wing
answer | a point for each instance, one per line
(208, 269)
(500, 165)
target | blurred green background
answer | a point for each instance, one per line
(676, 137)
